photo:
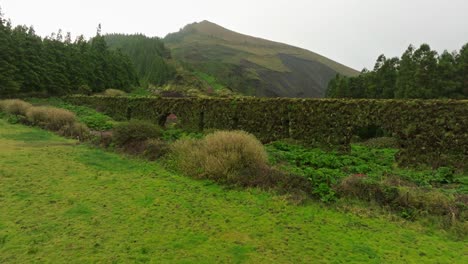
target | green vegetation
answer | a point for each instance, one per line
(52, 118)
(326, 169)
(134, 131)
(89, 116)
(430, 132)
(89, 205)
(149, 55)
(212, 82)
(252, 66)
(56, 65)
(420, 73)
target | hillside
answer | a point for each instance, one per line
(253, 66)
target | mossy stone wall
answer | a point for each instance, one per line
(434, 132)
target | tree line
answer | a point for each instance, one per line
(56, 65)
(149, 55)
(419, 73)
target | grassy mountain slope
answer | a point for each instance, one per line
(253, 66)
(66, 203)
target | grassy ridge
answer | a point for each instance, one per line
(61, 202)
(253, 66)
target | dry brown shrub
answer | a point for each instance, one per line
(50, 117)
(224, 156)
(114, 92)
(76, 130)
(14, 106)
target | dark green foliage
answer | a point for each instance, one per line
(427, 131)
(155, 149)
(420, 73)
(370, 175)
(149, 55)
(173, 134)
(56, 65)
(135, 131)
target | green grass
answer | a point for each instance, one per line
(210, 80)
(67, 203)
(93, 119)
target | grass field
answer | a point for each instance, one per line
(61, 202)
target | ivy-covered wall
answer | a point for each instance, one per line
(434, 132)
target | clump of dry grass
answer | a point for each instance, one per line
(50, 117)
(114, 92)
(225, 156)
(14, 106)
(75, 130)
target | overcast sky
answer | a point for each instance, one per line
(352, 32)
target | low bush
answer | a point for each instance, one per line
(14, 106)
(400, 195)
(155, 149)
(381, 142)
(76, 130)
(231, 157)
(361, 187)
(102, 138)
(114, 92)
(135, 131)
(89, 116)
(37, 115)
(50, 117)
(173, 134)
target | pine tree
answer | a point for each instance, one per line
(8, 70)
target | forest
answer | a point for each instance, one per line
(148, 54)
(419, 73)
(58, 65)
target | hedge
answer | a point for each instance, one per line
(434, 132)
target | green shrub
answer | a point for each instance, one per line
(444, 175)
(231, 157)
(135, 131)
(381, 142)
(50, 117)
(114, 92)
(400, 195)
(155, 149)
(14, 106)
(362, 187)
(173, 134)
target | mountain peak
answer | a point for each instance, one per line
(262, 67)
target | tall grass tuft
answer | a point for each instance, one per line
(235, 157)
(75, 130)
(50, 117)
(114, 92)
(14, 106)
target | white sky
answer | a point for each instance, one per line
(352, 32)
